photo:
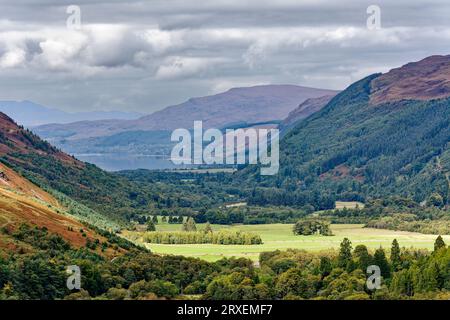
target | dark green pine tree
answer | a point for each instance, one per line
(155, 219)
(325, 267)
(380, 260)
(439, 243)
(362, 256)
(395, 256)
(345, 253)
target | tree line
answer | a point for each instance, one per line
(223, 237)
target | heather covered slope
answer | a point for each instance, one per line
(424, 80)
(362, 145)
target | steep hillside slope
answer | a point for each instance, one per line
(370, 142)
(305, 109)
(22, 202)
(10, 180)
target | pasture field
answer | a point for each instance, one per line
(349, 204)
(280, 237)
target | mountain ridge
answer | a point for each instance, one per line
(249, 104)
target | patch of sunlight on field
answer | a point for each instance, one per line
(280, 237)
(349, 204)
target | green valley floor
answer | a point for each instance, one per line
(280, 237)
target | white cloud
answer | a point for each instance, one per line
(13, 58)
(183, 67)
(133, 54)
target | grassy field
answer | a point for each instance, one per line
(280, 236)
(349, 204)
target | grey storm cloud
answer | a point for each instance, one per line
(144, 55)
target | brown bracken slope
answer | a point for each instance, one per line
(23, 202)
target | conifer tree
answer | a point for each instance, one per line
(345, 253)
(362, 256)
(439, 243)
(380, 260)
(395, 255)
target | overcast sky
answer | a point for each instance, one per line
(145, 55)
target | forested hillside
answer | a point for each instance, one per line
(360, 147)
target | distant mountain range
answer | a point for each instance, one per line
(30, 114)
(238, 105)
(150, 135)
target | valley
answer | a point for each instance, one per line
(363, 178)
(218, 158)
(280, 237)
